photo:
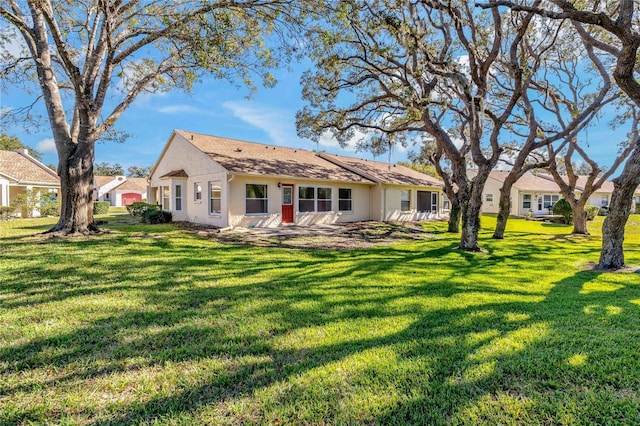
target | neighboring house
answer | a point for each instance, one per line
(229, 183)
(120, 190)
(536, 193)
(20, 172)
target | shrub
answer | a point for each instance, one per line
(603, 211)
(101, 207)
(592, 212)
(563, 208)
(156, 216)
(50, 207)
(6, 212)
(139, 207)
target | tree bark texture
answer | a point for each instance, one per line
(454, 218)
(76, 183)
(612, 254)
(580, 218)
(504, 206)
(472, 210)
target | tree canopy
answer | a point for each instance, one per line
(91, 59)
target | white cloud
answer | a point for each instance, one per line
(180, 109)
(46, 145)
(277, 124)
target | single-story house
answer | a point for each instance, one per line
(19, 173)
(536, 193)
(231, 183)
(120, 190)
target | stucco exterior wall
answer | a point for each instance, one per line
(273, 218)
(181, 155)
(391, 201)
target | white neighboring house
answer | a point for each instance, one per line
(120, 191)
(19, 173)
(536, 193)
(230, 183)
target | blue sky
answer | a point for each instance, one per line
(222, 109)
(214, 107)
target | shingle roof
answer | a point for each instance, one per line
(134, 184)
(103, 180)
(175, 173)
(25, 169)
(258, 159)
(393, 174)
(528, 182)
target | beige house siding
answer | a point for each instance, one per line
(190, 159)
(237, 203)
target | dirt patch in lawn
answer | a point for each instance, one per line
(347, 236)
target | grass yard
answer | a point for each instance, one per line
(155, 325)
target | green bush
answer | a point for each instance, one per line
(6, 212)
(139, 207)
(156, 216)
(49, 207)
(592, 212)
(101, 207)
(563, 208)
(603, 211)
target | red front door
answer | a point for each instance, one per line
(287, 203)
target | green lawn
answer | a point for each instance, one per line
(153, 325)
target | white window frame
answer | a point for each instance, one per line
(266, 199)
(178, 198)
(165, 196)
(350, 200)
(405, 197)
(197, 192)
(319, 200)
(214, 186)
(604, 200)
(530, 200)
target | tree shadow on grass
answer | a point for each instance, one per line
(459, 349)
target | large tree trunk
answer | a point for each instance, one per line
(471, 211)
(612, 254)
(504, 207)
(580, 218)
(454, 217)
(76, 187)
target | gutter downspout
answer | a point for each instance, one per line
(230, 177)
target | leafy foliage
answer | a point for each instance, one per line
(156, 215)
(6, 212)
(563, 208)
(101, 207)
(592, 212)
(27, 201)
(106, 169)
(138, 208)
(11, 143)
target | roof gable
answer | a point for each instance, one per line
(25, 169)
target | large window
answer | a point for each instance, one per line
(257, 200)
(547, 201)
(306, 198)
(324, 199)
(312, 199)
(489, 198)
(166, 197)
(197, 192)
(405, 200)
(215, 198)
(178, 197)
(605, 200)
(526, 201)
(344, 200)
